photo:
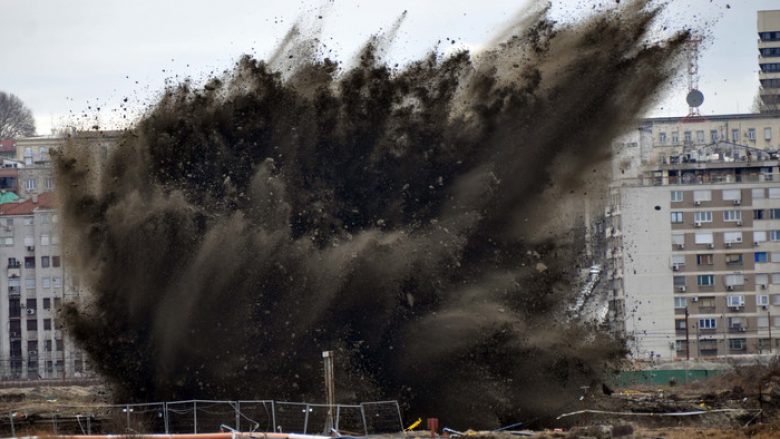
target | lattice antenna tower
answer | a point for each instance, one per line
(694, 97)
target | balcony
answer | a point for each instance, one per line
(737, 328)
(14, 291)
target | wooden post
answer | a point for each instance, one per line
(687, 338)
(769, 325)
(330, 389)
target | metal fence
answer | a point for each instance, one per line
(203, 416)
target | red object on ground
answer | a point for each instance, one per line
(433, 426)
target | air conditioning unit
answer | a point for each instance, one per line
(697, 203)
(763, 286)
(676, 267)
(680, 246)
(742, 329)
(30, 311)
(737, 202)
(30, 248)
(739, 223)
(695, 299)
(728, 245)
(756, 243)
(764, 307)
(738, 239)
(730, 287)
(33, 352)
(711, 245)
(681, 288)
(697, 224)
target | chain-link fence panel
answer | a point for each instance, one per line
(382, 417)
(349, 420)
(256, 416)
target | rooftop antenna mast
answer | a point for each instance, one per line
(695, 97)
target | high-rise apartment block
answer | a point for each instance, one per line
(769, 58)
(693, 232)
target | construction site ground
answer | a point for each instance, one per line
(744, 402)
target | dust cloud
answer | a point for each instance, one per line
(416, 220)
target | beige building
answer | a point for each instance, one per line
(693, 231)
(769, 58)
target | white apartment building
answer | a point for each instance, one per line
(34, 285)
(693, 231)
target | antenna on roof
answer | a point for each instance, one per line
(695, 97)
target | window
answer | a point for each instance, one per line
(762, 279)
(702, 195)
(776, 278)
(705, 280)
(677, 217)
(679, 281)
(678, 239)
(760, 257)
(774, 257)
(8, 241)
(28, 221)
(56, 282)
(662, 138)
(32, 325)
(703, 238)
(55, 239)
(45, 282)
(759, 236)
(49, 183)
(55, 261)
(678, 260)
(762, 322)
(732, 195)
(60, 345)
(732, 215)
(44, 261)
(758, 214)
(700, 136)
(758, 193)
(29, 283)
(46, 303)
(736, 322)
(29, 262)
(734, 259)
(735, 135)
(29, 184)
(679, 324)
(47, 324)
(44, 240)
(737, 344)
(751, 134)
(713, 136)
(707, 324)
(735, 301)
(762, 300)
(704, 259)
(732, 237)
(702, 217)
(675, 137)
(774, 192)
(677, 196)
(774, 213)
(680, 302)
(735, 279)
(767, 133)
(687, 136)
(44, 218)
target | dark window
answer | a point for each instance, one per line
(758, 214)
(15, 326)
(770, 67)
(47, 324)
(14, 308)
(57, 303)
(32, 325)
(44, 261)
(55, 261)
(60, 345)
(13, 263)
(32, 304)
(46, 303)
(32, 345)
(47, 345)
(29, 262)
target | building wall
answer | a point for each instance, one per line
(34, 286)
(768, 27)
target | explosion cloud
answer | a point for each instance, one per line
(411, 219)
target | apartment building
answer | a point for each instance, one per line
(693, 232)
(35, 284)
(769, 58)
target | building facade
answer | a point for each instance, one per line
(769, 58)
(693, 231)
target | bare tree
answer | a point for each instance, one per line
(16, 120)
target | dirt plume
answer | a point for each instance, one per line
(395, 215)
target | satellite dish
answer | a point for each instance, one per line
(695, 98)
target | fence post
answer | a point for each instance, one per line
(306, 420)
(127, 410)
(400, 419)
(273, 414)
(165, 418)
(13, 430)
(195, 416)
(55, 425)
(237, 407)
(338, 417)
(363, 415)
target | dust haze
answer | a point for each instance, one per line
(418, 220)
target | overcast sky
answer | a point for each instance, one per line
(63, 57)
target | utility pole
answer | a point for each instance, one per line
(769, 325)
(330, 390)
(687, 338)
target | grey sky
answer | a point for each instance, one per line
(65, 56)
